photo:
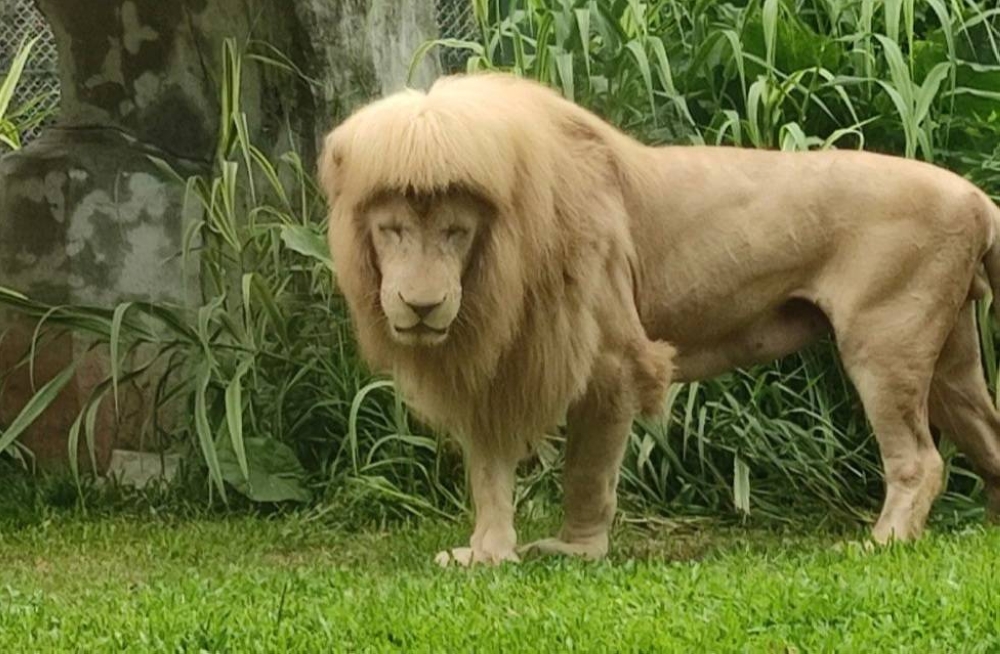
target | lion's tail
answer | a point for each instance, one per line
(991, 260)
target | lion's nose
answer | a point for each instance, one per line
(422, 309)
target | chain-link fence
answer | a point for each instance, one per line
(21, 21)
(455, 20)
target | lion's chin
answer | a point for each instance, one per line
(419, 336)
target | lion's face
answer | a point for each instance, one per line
(422, 246)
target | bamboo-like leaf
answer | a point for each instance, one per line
(929, 90)
(642, 61)
(116, 333)
(90, 431)
(35, 406)
(14, 71)
(234, 416)
(307, 241)
(583, 26)
(205, 317)
(769, 18)
(352, 420)
(741, 486)
(564, 67)
(906, 116)
(73, 450)
(899, 72)
(254, 282)
(893, 9)
(204, 430)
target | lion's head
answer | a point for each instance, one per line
(422, 245)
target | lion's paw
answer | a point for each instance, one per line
(466, 556)
(593, 549)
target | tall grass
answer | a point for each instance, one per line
(263, 373)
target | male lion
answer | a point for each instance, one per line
(512, 259)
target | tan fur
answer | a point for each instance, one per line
(598, 251)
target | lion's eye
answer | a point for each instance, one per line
(391, 230)
(456, 231)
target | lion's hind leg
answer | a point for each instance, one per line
(598, 426)
(961, 407)
(890, 359)
(597, 432)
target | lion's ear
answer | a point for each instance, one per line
(329, 163)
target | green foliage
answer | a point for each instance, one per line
(15, 121)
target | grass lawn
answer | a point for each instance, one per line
(287, 584)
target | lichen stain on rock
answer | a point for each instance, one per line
(114, 238)
(148, 194)
(82, 224)
(96, 242)
(106, 87)
(30, 189)
(28, 219)
(134, 33)
(87, 24)
(150, 31)
(146, 90)
(111, 68)
(55, 185)
(144, 268)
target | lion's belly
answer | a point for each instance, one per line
(769, 336)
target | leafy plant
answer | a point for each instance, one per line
(15, 121)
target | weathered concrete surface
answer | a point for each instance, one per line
(359, 49)
(89, 219)
(84, 215)
(142, 66)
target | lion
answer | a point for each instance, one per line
(513, 261)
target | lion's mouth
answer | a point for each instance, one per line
(421, 328)
(422, 331)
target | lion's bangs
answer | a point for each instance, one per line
(428, 144)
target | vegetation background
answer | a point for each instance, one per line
(279, 409)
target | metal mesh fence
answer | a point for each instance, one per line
(456, 20)
(20, 21)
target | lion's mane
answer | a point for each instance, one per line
(549, 290)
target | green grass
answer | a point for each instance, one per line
(293, 584)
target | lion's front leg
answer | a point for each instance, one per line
(492, 478)
(598, 429)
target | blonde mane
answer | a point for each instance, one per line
(555, 259)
